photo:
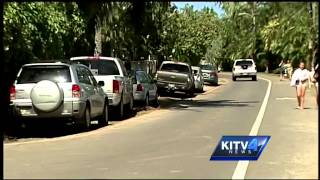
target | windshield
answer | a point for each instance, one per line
(178, 68)
(34, 74)
(101, 67)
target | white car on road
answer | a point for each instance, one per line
(118, 83)
(244, 68)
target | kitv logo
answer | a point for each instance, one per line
(240, 147)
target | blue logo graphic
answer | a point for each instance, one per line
(240, 148)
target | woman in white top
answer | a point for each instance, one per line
(299, 80)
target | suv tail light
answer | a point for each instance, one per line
(139, 87)
(116, 86)
(12, 92)
(76, 91)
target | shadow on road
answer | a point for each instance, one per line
(50, 128)
(47, 130)
(184, 105)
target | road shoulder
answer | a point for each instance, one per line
(292, 151)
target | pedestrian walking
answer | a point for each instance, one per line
(315, 74)
(314, 79)
(281, 66)
(300, 80)
(289, 68)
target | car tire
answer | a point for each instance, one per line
(120, 109)
(129, 107)
(84, 122)
(104, 118)
(254, 78)
(15, 127)
(214, 84)
(234, 78)
(131, 104)
(155, 102)
(54, 96)
(147, 101)
(191, 92)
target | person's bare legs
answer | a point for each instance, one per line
(302, 95)
(317, 93)
(298, 92)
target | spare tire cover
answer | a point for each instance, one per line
(46, 96)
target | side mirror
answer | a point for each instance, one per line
(101, 83)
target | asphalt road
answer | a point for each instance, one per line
(177, 141)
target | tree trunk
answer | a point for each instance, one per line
(97, 38)
(312, 38)
(314, 23)
(254, 30)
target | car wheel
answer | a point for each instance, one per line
(131, 104)
(254, 78)
(191, 92)
(201, 90)
(156, 101)
(146, 103)
(234, 78)
(129, 107)
(104, 119)
(52, 92)
(121, 109)
(15, 127)
(84, 121)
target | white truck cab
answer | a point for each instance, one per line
(118, 83)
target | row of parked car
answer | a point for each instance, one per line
(87, 88)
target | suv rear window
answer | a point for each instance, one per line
(101, 67)
(241, 63)
(179, 68)
(34, 74)
(207, 67)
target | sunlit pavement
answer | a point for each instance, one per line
(176, 141)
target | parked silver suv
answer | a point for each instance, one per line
(58, 90)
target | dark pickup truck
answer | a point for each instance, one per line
(175, 76)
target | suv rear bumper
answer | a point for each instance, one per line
(69, 109)
(162, 86)
(211, 79)
(244, 74)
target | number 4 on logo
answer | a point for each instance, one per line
(253, 145)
